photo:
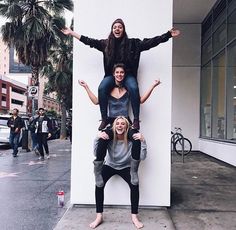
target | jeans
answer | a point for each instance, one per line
(43, 142)
(106, 86)
(34, 140)
(107, 173)
(14, 142)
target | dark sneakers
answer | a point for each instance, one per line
(103, 124)
(135, 124)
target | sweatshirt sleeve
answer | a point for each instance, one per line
(143, 152)
(149, 43)
(94, 43)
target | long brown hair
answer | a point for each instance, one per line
(110, 48)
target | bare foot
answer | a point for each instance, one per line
(136, 221)
(97, 221)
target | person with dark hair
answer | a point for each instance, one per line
(33, 134)
(118, 162)
(118, 48)
(43, 127)
(118, 103)
(15, 124)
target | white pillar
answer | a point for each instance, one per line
(143, 19)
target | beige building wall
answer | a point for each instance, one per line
(49, 102)
(4, 58)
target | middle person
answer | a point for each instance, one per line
(118, 105)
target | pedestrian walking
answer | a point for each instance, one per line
(43, 127)
(33, 135)
(15, 124)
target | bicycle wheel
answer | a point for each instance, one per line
(187, 146)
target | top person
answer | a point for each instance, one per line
(118, 48)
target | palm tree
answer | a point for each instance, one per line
(31, 29)
(58, 70)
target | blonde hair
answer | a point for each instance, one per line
(126, 129)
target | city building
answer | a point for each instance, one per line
(13, 94)
(204, 76)
(11, 68)
(4, 58)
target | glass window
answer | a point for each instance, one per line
(219, 38)
(231, 6)
(218, 96)
(206, 101)
(231, 92)
(206, 52)
(232, 26)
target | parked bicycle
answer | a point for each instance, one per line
(180, 143)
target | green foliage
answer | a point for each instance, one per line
(33, 27)
(58, 70)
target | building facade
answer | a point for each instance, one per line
(13, 94)
(204, 83)
(14, 71)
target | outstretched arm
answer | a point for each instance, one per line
(91, 95)
(149, 91)
(68, 31)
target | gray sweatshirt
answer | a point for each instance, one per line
(119, 154)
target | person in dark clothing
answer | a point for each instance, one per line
(43, 127)
(15, 124)
(118, 48)
(33, 134)
(118, 162)
(118, 104)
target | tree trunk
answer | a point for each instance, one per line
(63, 133)
(35, 75)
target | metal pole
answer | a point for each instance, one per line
(33, 106)
(182, 148)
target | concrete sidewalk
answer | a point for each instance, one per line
(203, 198)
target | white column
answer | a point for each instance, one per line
(143, 19)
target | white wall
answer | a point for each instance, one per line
(186, 81)
(142, 19)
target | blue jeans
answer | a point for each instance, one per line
(34, 140)
(14, 142)
(106, 86)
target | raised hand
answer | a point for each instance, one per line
(67, 31)
(83, 83)
(156, 82)
(174, 32)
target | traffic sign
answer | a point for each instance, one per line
(33, 92)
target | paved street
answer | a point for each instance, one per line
(203, 195)
(28, 187)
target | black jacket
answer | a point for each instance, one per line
(18, 123)
(45, 127)
(135, 46)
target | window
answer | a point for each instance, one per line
(206, 101)
(4, 86)
(218, 73)
(17, 102)
(232, 26)
(231, 92)
(218, 97)
(18, 90)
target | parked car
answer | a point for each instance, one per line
(5, 130)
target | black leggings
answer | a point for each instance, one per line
(42, 139)
(102, 145)
(107, 173)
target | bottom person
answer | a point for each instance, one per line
(118, 162)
